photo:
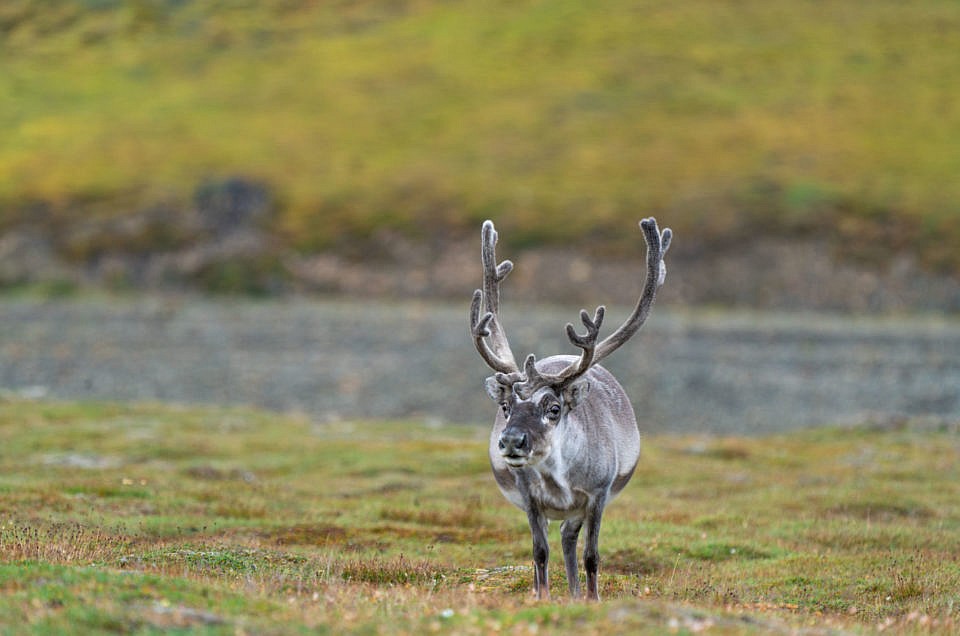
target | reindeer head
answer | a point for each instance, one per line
(534, 406)
(535, 402)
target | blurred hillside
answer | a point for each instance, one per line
(286, 144)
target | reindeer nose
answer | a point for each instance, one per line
(512, 442)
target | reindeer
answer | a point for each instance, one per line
(565, 440)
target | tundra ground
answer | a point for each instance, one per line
(146, 519)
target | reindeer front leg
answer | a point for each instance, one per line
(541, 552)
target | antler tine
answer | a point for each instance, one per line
(508, 379)
(665, 237)
(587, 342)
(593, 328)
(531, 378)
(657, 245)
(496, 353)
(480, 328)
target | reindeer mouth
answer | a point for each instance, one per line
(516, 460)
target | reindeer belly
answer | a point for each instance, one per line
(560, 506)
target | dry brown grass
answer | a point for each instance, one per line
(833, 528)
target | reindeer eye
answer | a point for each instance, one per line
(506, 409)
(554, 411)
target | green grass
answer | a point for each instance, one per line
(565, 120)
(123, 518)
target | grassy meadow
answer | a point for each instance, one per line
(568, 120)
(149, 519)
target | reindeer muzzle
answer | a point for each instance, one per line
(514, 446)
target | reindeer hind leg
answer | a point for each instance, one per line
(591, 549)
(569, 533)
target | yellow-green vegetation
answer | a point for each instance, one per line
(561, 117)
(120, 518)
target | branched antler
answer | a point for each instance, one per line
(657, 245)
(587, 342)
(496, 353)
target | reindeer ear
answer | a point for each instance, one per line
(576, 392)
(496, 390)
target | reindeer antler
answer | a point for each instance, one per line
(657, 245)
(587, 342)
(496, 353)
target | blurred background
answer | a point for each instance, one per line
(278, 202)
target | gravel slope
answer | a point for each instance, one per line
(686, 372)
